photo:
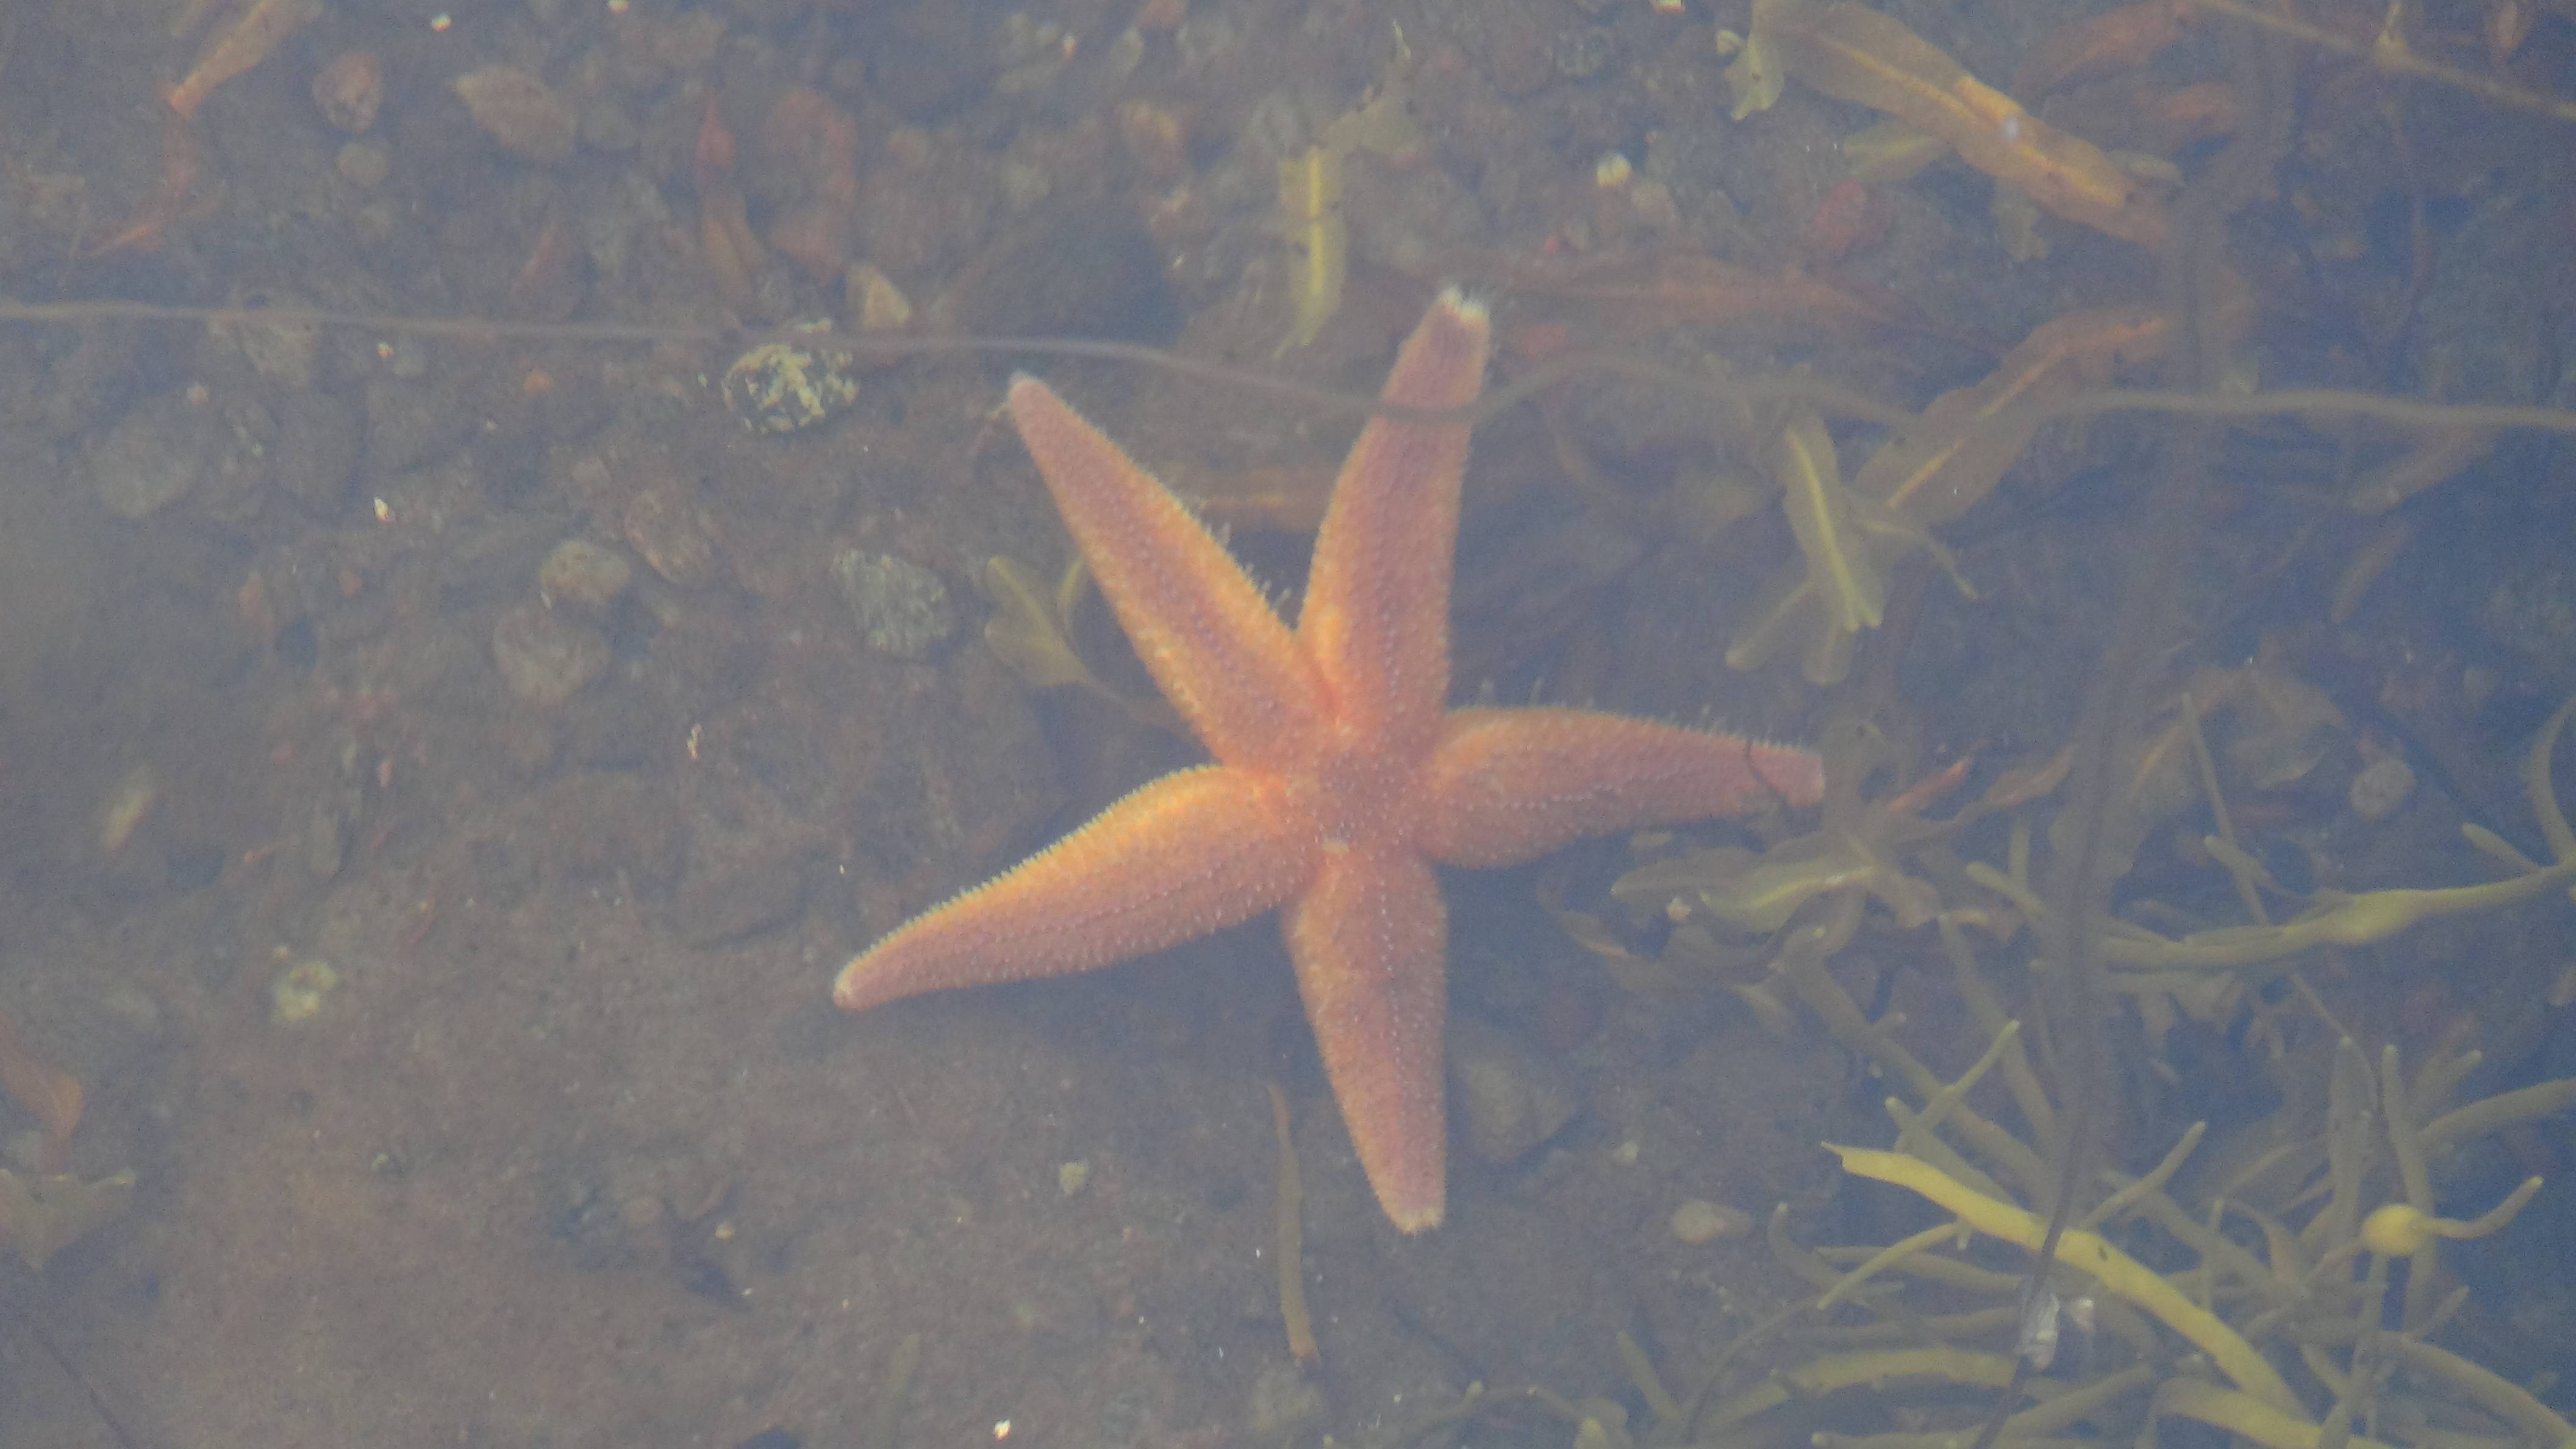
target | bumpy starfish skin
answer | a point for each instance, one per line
(1339, 779)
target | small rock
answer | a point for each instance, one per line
(1511, 1096)
(546, 658)
(778, 387)
(280, 352)
(900, 606)
(586, 575)
(1073, 1177)
(672, 534)
(350, 90)
(1701, 1221)
(520, 112)
(152, 457)
(1284, 1404)
(873, 297)
(295, 994)
(2382, 786)
(126, 806)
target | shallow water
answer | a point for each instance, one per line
(567, 1146)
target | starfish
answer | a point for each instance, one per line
(1339, 778)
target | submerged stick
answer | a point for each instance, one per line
(1292, 1241)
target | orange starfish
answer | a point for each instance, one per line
(1339, 779)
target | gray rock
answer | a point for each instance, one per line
(152, 457)
(546, 658)
(900, 606)
(1510, 1096)
(586, 575)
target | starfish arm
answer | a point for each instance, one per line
(1200, 625)
(1376, 616)
(1369, 938)
(1188, 854)
(1510, 785)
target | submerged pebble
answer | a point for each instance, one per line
(125, 807)
(672, 533)
(350, 90)
(901, 607)
(779, 387)
(1284, 1405)
(151, 458)
(1511, 1096)
(546, 658)
(520, 112)
(296, 993)
(585, 575)
(2382, 786)
(1700, 1221)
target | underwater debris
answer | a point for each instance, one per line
(1934, 471)
(2354, 919)
(1687, 289)
(1031, 632)
(2117, 39)
(2274, 1275)
(44, 1091)
(1310, 196)
(43, 1214)
(732, 253)
(1860, 55)
(1926, 474)
(47, 1210)
(2390, 53)
(1754, 77)
(239, 46)
(1310, 207)
(2298, 1300)
(1847, 542)
(520, 112)
(1291, 1208)
(883, 1425)
(2292, 1330)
